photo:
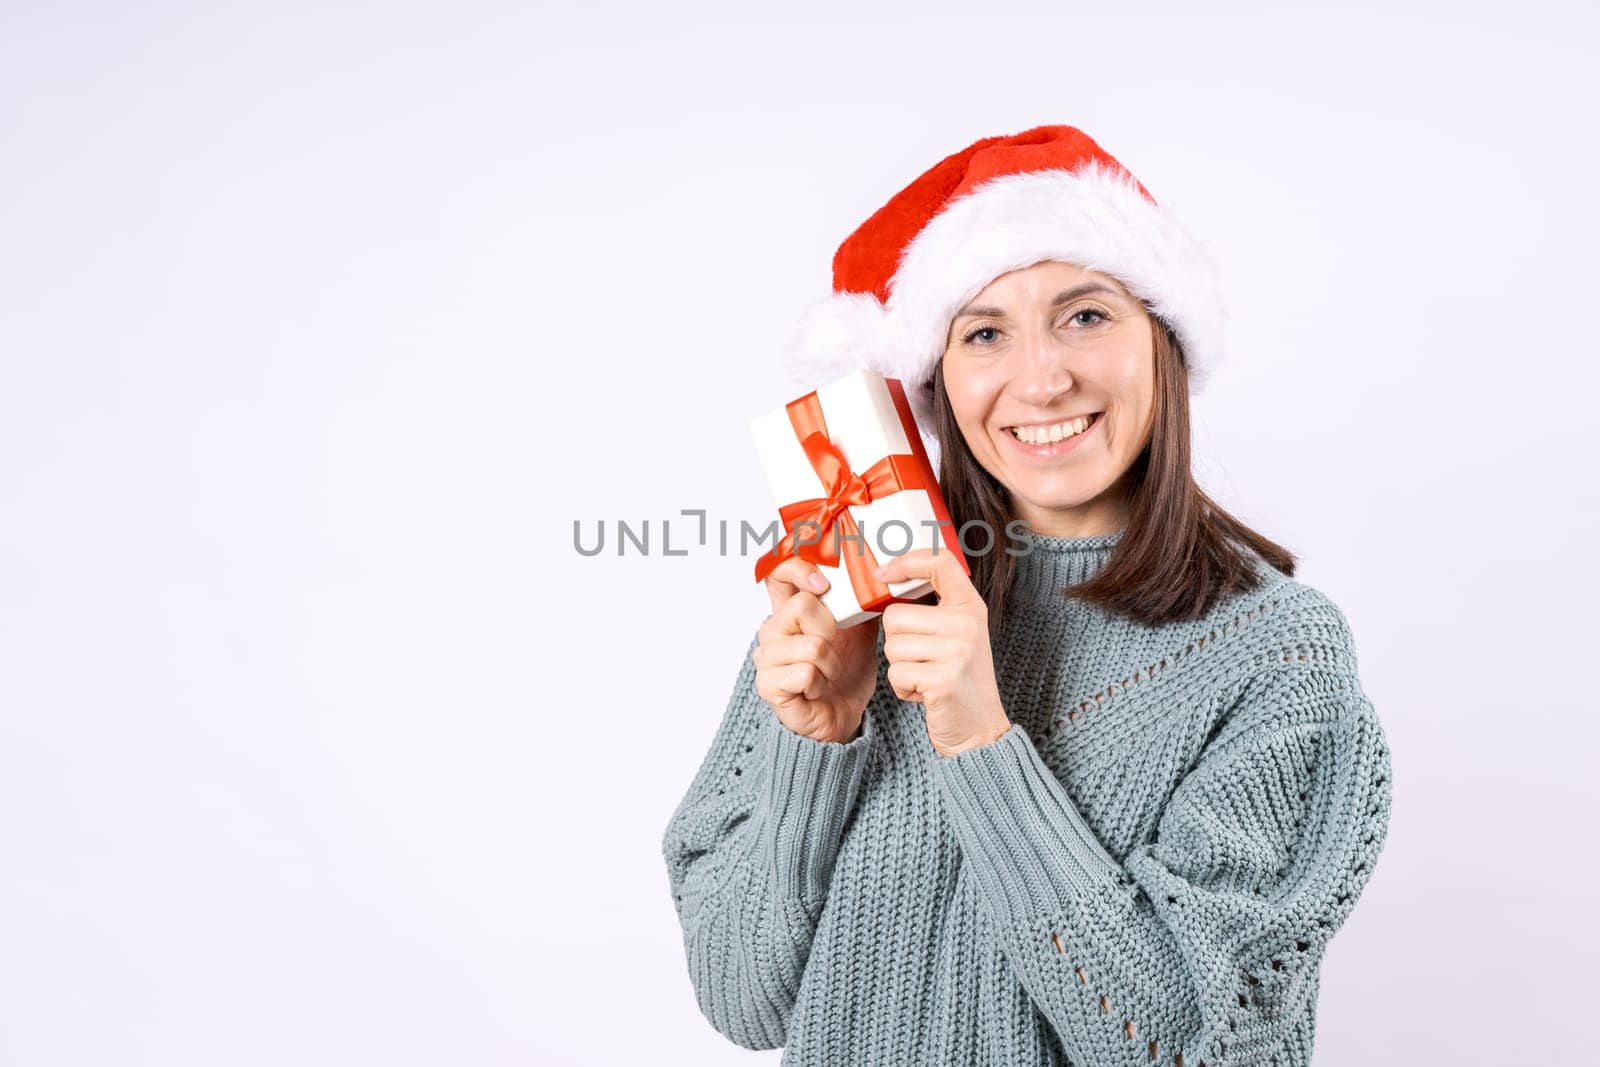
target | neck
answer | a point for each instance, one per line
(1106, 513)
(1049, 563)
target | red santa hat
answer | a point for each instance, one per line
(1000, 204)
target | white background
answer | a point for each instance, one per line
(319, 326)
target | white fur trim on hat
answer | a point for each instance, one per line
(1094, 217)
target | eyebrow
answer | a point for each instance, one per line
(1064, 297)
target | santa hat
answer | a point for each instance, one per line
(1000, 204)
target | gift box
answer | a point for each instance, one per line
(854, 487)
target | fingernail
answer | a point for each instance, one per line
(880, 570)
(818, 582)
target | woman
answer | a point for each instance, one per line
(1105, 800)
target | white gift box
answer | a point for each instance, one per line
(867, 418)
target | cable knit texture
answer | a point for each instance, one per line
(1145, 869)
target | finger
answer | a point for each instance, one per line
(787, 618)
(799, 679)
(804, 613)
(915, 648)
(949, 578)
(916, 619)
(804, 648)
(794, 575)
(904, 566)
(905, 678)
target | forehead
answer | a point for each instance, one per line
(1050, 281)
(1052, 272)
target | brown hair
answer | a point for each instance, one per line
(1179, 552)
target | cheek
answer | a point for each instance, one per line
(970, 391)
(1131, 382)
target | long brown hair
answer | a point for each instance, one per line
(1180, 551)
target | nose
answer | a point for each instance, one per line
(1042, 372)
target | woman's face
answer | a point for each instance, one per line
(1033, 352)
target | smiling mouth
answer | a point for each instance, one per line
(1050, 433)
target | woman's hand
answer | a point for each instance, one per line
(939, 653)
(817, 677)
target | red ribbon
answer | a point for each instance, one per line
(831, 513)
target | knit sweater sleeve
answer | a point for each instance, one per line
(1204, 944)
(749, 854)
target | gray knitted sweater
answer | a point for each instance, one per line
(1146, 869)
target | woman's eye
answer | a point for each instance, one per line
(1096, 317)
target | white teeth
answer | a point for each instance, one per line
(1045, 435)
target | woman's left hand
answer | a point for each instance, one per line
(939, 653)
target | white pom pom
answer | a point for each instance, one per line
(838, 334)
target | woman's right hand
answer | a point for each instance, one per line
(816, 676)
